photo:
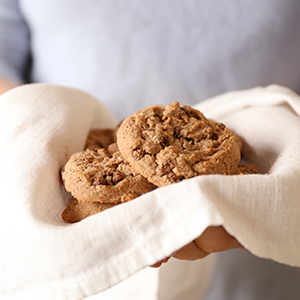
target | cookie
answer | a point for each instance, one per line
(167, 144)
(246, 169)
(100, 138)
(94, 175)
(76, 211)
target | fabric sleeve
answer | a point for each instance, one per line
(14, 42)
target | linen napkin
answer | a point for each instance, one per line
(42, 257)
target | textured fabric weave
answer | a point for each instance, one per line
(42, 125)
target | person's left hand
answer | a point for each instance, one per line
(213, 239)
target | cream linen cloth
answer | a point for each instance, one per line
(41, 257)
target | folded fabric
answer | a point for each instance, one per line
(42, 257)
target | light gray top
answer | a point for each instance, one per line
(131, 54)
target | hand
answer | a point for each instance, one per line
(213, 239)
(6, 85)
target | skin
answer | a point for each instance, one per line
(214, 239)
(6, 85)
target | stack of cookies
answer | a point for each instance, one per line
(154, 147)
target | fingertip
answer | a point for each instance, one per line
(159, 263)
(190, 252)
(156, 265)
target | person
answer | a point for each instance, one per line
(134, 54)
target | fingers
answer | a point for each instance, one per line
(159, 263)
(213, 239)
(190, 252)
(216, 239)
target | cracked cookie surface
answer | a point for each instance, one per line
(95, 175)
(167, 144)
(100, 138)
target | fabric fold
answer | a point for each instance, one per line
(41, 125)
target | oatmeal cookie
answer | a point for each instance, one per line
(246, 169)
(100, 138)
(94, 175)
(76, 211)
(167, 144)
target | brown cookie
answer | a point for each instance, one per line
(167, 144)
(100, 138)
(76, 211)
(246, 169)
(94, 175)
